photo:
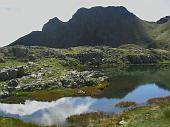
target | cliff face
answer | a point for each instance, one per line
(110, 26)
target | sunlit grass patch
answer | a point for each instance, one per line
(11, 63)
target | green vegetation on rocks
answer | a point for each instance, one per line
(50, 69)
(125, 104)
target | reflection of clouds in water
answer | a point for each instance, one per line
(50, 113)
(58, 112)
(46, 113)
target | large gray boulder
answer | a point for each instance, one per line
(4, 94)
(13, 83)
(4, 75)
(12, 73)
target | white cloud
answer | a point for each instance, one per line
(28, 15)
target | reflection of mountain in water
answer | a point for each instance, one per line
(126, 81)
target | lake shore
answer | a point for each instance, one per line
(46, 75)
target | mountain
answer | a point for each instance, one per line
(110, 26)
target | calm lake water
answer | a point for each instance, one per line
(133, 85)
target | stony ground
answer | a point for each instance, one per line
(46, 74)
(27, 69)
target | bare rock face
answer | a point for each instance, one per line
(93, 58)
(142, 59)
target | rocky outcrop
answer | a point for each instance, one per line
(12, 73)
(90, 57)
(163, 20)
(142, 59)
(4, 94)
(7, 89)
(73, 79)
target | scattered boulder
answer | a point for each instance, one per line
(12, 73)
(13, 83)
(4, 75)
(73, 79)
(4, 94)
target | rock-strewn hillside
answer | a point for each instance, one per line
(28, 69)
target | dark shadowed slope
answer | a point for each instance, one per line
(110, 26)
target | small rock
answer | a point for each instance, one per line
(123, 122)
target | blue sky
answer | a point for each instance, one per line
(20, 17)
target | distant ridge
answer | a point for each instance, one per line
(163, 20)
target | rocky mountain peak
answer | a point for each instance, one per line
(51, 23)
(111, 26)
(163, 20)
(102, 12)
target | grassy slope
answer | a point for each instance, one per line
(161, 35)
(10, 122)
(53, 67)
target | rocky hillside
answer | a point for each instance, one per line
(110, 26)
(28, 69)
